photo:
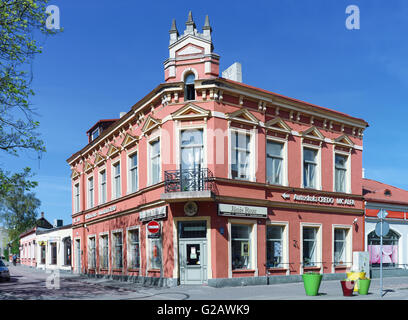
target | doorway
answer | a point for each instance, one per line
(78, 256)
(193, 252)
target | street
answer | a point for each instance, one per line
(33, 284)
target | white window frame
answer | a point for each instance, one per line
(100, 186)
(148, 247)
(100, 236)
(318, 177)
(252, 150)
(91, 236)
(349, 245)
(128, 247)
(284, 142)
(129, 171)
(89, 193)
(253, 250)
(285, 242)
(113, 248)
(318, 248)
(113, 179)
(348, 168)
(149, 158)
(178, 141)
(77, 197)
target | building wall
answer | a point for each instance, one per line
(27, 250)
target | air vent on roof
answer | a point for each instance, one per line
(387, 192)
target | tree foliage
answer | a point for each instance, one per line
(18, 206)
(21, 21)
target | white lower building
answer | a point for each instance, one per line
(54, 248)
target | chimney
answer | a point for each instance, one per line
(233, 72)
(363, 173)
(121, 114)
(42, 215)
(58, 223)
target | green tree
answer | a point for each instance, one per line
(22, 23)
(18, 207)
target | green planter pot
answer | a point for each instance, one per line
(311, 282)
(363, 286)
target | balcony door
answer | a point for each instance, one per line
(191, 159)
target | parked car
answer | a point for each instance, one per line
(4, 271)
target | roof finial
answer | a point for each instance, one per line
(190, 25)
(173, 32)
(207, 28)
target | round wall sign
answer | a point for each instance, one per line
(190, 208)
(153, 227)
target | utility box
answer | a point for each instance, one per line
(361, 262)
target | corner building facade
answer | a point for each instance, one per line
(243, 182)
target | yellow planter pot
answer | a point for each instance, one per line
(355, 276)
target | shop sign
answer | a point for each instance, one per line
(323, 200)
(155, 213)
(233, 210)
(101, 212)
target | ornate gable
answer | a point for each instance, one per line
(150, 124)
(112, 150)
(242, 116)
(74, 174)
(128, 140)
(88, 166)
(313, 134)
(344, 141)
(99, 158)
(189, 112)
(277, 124)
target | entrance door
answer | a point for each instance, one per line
(193, 252)
(77, 256)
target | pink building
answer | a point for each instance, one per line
(245, 184)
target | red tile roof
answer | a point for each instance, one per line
(376, 191)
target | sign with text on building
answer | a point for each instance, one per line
(101, 212)
(153, 228)
(320, 199)
(155, 213)
(233, 210)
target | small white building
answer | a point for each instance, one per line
(394, 201)
(54, 248)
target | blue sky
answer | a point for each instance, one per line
(111, 54)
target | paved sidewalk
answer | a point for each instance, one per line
(395, 289)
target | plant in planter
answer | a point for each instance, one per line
(311, 282)
(356, 275)
(363, 286)
(347, 285)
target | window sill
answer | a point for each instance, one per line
(134, 270)
(276, 269)
(153, 270)
(306, 269)
(117, 270)
(104, 269)
(243, 271)
(340, 266)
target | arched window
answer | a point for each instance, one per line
(189, 91)
(389, 251)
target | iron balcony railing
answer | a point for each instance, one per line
(184, 180)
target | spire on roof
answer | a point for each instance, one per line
(173, 32)
(190, 25)
(207, 28)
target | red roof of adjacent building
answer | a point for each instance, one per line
(376, 191)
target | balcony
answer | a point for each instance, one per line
(188, 184)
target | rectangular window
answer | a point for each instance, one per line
(274, 162)
(240, 156)
(76, 197)
(43, 254)
(134, 249)
(104, 252)
(340, 176)
(155, 170)
(90, 193)
(92, 253)
(116, 180)
(274, 246)
(102, 186)
(53, 253)
(155, 253)
(340, 236)
(117, 250)
(309, 246)
(95, 134)
(309, 168)
(133, 172)
(240, 246)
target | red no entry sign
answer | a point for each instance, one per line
(153, 227)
